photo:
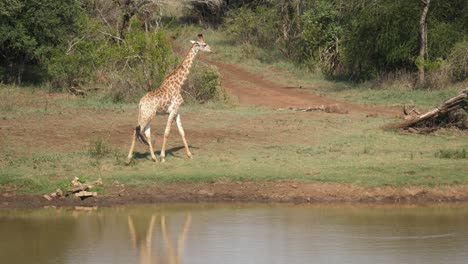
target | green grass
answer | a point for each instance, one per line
(262, 145)
(452, 154)
(38, 100)
(395, 96)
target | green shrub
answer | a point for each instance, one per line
(122, 70)
(203, 84)
(31, 31)
(451, 154)
(73, 67)
(319, 38)
(98, 148)
(252, 24)
(458, 61)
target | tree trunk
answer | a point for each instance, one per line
(126, 14)
(21, 66)
(286, 26)
(422, 40)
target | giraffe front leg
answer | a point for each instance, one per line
(182, 134)
(167, 131)
(148, 137)
(130, 153)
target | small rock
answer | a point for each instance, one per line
(76, 181)
(335, 108)
(59, 192)
(203, 192)
(48, 197)
(84, 194)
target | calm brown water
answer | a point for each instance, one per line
(230, 233)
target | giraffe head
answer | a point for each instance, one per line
(201, 44)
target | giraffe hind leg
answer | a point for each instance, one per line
(148, 140)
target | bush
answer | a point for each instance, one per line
(202, 84)
(98, 148)
(121, 69)
(458, 62)
(73, 67)
(319, 38)
(451, 154)
(255, 25)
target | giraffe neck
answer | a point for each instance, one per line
(183, 70)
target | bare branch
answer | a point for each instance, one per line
(71, 44)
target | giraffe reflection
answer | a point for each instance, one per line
(171, 255)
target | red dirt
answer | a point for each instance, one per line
(253, 90)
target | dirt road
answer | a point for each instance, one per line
(253, 90)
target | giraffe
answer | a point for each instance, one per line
(171, 255)
(166, 100)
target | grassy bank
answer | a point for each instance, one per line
(47, 139)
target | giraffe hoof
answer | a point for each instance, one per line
(163, 160)
(154, 159)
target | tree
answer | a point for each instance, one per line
(130, 8)
(422, 40)
(31, 29)
(320, 36)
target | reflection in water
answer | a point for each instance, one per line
(147, 256)
(232, 233)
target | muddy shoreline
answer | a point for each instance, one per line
(269, 192)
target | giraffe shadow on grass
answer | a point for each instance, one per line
(169, 152)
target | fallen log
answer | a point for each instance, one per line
(332, 108)
(434, 118)
(77, 92)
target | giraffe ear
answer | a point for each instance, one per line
(193, 41)
(200, 38)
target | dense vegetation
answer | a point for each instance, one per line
(116, 47)
(356, 39)
(122, 47)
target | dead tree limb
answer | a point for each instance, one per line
(449, 105)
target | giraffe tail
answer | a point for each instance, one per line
(140, 136)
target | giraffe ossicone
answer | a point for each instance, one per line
(166, 100)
